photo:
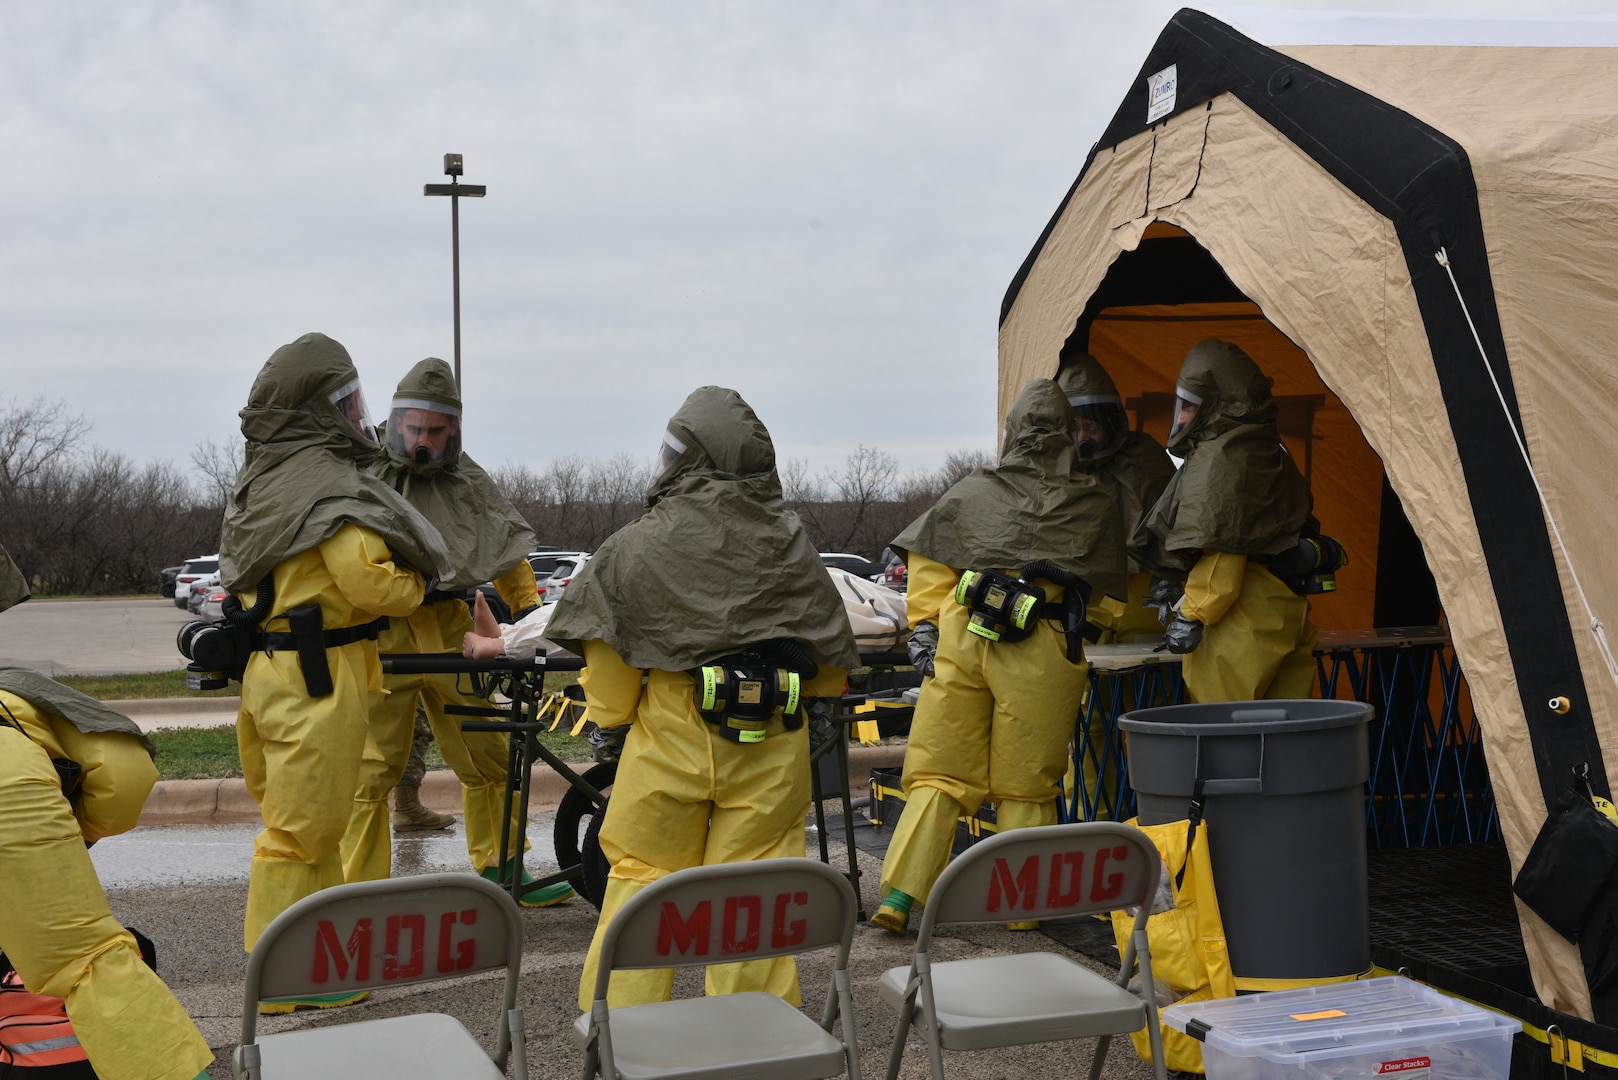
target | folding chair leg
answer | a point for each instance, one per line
(845, 1011)
(897, 1053)
(1102, 1044)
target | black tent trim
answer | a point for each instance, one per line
(1421, 181)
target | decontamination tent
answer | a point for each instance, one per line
(1412, 225)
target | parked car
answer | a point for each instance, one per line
(165, 580)
(894, 571)
(544, 561)
(213, 599)
(195, 569)
(566, 567)
(854, 564)
(200, 589)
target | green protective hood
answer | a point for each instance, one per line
(1033, 505)
(1238, 491)
(306, 474)
(1086, 383)
(65, 703)
(716, 564)
(1231, 388)
(13, 585)
(482, 530)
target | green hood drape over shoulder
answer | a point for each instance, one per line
(13, 585)
(717, 563)
(1238, 491)
(1135, 468)
(1033, 505)
(482, 530)
(305, 473)
(65, 703)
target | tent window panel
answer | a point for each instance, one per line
(1126, 171)
(1177, 159)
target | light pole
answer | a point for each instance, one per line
(455, 189)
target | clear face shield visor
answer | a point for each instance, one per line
(424, 432)
(1186, 405)
(349, 401)
(1098, 421)
(668, 452)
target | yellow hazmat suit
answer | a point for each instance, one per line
(307, 520)
(992, 723)
(697, 799)
(718, 566)
(487, 539)
(55, 926)
(479, 759)
(1236, 502)
(301, 754)
(1257, 641)
(994, 719)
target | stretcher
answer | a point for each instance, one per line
(522, 684)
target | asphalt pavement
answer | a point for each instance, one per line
(93, 637)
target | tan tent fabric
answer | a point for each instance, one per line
(1339, 319)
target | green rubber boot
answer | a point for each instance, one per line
(893, 915)
(546, 897)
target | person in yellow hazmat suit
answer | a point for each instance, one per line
(1237, 509)
(1001, 569)
(717, 575)
(488, 540)
(1134, 468)
(72, 771)
(317, 553)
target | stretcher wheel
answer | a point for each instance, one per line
(577, 822)
(596, 866)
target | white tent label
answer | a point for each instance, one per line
(1160, 90)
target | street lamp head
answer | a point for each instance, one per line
(452, 165)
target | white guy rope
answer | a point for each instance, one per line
(1597, 627)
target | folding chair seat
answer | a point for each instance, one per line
(722, 914)
(373, 934)
(1052, 872)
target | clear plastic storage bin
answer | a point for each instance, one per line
(1374, 1028)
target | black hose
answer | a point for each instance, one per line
(249, 618)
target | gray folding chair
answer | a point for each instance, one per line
(374, 934)
(720, 914)
(1051, 872)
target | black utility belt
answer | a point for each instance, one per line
(310, 642)
(331, 639)
(444, 596)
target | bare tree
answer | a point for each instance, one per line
(218, 463)
(35, 436)
(957, 463)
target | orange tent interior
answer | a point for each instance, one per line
(1142, 344)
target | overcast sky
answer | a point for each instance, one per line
(819, 204)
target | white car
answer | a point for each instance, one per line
(567, 565)
(195, 570)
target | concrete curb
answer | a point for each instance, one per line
(226, 707)
(223, 802)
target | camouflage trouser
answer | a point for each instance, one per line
(416, 767)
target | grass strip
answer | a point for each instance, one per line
(141, 684)
(211, 754)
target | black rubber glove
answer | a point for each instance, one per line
(922, 647)
(1182, 635)
(1163, 596)
(822, 725)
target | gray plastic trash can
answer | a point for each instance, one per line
(1284, 798)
